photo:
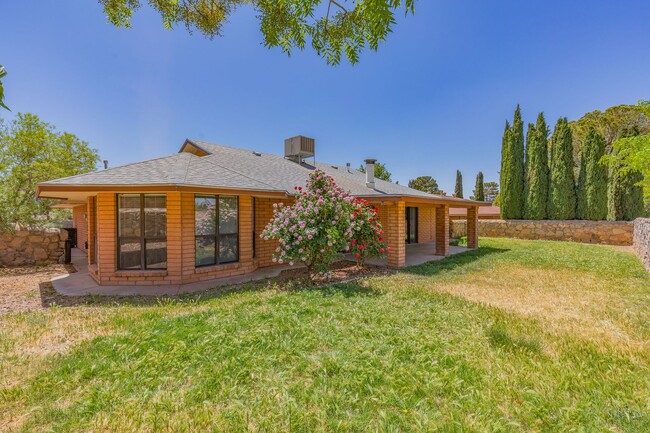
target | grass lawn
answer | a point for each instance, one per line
(516, 336)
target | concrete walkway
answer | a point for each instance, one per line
(82, 284)
(416, 254)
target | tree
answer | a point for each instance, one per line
(512, 169)
(629, 167)
(458, 190)
(32, 151)
(611, 124)
(479, 189)
(324, 220)
(426, 184)
(3, 73)
(380, 171)
(562, 194)
(592, 181)
(491, 191)
(537, 173)
(333, 28)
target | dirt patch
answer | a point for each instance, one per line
(20, 286)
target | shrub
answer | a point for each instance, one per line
(323, 221)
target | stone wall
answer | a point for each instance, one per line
(28, 247)
(593, 232)
(642, 240)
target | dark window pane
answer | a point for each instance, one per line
(156, 254)
(155, 216)
(204, 215)
(227, 215)
(205, 249)
(130, 254)
(228, 248)
(129, 215)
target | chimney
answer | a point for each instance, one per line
(370, 173)
(105, 164)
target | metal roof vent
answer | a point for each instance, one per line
(299, 147)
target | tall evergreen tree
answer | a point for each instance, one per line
(479, 190)
(537, 172)
(458, 191)
(562, 193)
(592, 181)
(512, 169)
(624, 193)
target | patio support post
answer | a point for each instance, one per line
(472, 227)
(442, 230)
(394, 234)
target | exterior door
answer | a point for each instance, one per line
(411, 225)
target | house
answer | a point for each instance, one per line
(484, 213)
(137, 222)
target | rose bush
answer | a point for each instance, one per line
(324, 221)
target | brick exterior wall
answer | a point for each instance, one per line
(426, 224)
(394, 225)
(80, 222)
(472, 227)
(181, 267)
(442, 230)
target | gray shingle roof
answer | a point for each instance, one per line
(231, 167)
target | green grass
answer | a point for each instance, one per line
(515, 336)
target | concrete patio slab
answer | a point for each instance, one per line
(81, 283)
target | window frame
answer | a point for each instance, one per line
(217, 235)
(142, 239)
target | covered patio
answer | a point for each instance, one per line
(417, 254)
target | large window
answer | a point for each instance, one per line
(216, 228)
(142, 231)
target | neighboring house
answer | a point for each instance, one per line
(484, 213)
(197, 215)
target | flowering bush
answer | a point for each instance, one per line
(323, 221)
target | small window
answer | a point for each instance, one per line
(216, 229)
(142, 231)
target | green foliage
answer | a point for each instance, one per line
(32, 151)
(458, 189)
(512, 169)
(624, 194)
(491, 192)
(479, 188)
(610, 124)
(592, 181)
(537, 171)
(335, 29)
(426, 184)
(3, 73)
(380, 172)
(562, 193)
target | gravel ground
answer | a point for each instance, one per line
(28, 287)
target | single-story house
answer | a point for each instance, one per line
(197, 215)
(489, 212)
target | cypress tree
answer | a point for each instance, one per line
(624, 194)
(592, 181)
(458, 191)
(537, 173)
(512, 169)
(562, 193)
(479, 190)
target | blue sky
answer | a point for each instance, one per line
(433, 99)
